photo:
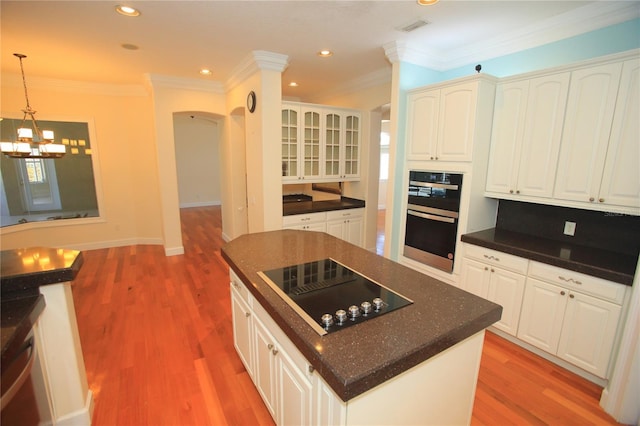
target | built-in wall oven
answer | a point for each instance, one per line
(433, 207)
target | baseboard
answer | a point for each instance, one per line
(173, 251)
(200, 204)
(95, 245)
(225, 237)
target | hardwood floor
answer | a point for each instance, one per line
(158, 346)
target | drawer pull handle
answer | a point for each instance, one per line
(569, 280)
(491, 258)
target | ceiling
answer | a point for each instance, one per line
(82, 40)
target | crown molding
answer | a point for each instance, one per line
(74, 86)
(594, 16)
(169, 82)
(255, 61)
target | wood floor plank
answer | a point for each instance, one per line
(158, 346)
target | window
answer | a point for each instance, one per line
(35, 170)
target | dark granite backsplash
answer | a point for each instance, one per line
(608, 231)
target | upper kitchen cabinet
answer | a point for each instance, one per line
(601, 140)
(324, 141)
(300, 143)
(525, 142)
(441, 119)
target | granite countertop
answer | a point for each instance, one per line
(304, 207)
(22, 271)
(359, 358)
(604, 264)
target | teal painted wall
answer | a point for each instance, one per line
(614, 39)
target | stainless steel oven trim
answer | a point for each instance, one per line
(433, 185)
(429, 259)
(432, 217)
(432, 210)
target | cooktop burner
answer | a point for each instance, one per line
(330, 296)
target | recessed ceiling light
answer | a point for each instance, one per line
(293, 84)
(205, 71)
(325, 53)
(127, 10)
(426, 2)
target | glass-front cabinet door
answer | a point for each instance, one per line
(352, 146)
(311, 144)
(290, 134)
(332, 131)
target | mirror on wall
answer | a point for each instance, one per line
(39, 189)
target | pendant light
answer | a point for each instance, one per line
(31, 142)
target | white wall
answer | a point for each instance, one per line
(197, 145)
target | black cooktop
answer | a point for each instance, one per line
(330, 296)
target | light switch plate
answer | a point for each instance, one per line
(569, 228)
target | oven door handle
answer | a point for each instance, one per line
(431, 216)
(433, 185)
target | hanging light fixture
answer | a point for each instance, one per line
(31, 142)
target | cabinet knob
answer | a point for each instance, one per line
(571, 296)
(248, 314)
(562, 293)
(492, 270)
(311, 369)
(511, 191)
(486, 269)
(591, 199)
(601, 200)
(431, 158)
(436, 158)
(270, 346)
(517, 191)
(274, 352)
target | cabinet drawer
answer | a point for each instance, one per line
(344, 214)
(496, 258)
(240, 288)
(301, 219)
(577, 281)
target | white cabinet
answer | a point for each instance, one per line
(281, 374)
(441, 121)
(592, 99)
(527, 130)
(347, 225)
(320, 143)
(601, 141)
(571, 315)
(306, 222)
(498, 277)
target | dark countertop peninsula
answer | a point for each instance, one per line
(604, 264)
(304, 207)
(361, 357)
(22, 272)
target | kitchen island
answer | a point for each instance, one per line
(417, 364)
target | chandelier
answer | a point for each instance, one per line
(31, 142)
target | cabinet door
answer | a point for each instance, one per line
(310, 155)
(542, 313)
(621, 178)
(290, 148)
(422, 125)
(506, 136)
(294, 393)
(588, 332)
(546, 103)
(336, 228)
(475, 277)
(592, 99)
(332, 145)
(351, 159)
(353, 231)
(242, 330)
(456, 123)
(265, 368)
(506, 289)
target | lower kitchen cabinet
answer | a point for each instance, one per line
(497, 284)
(568, 323)
(242, 327)
(347, 225)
